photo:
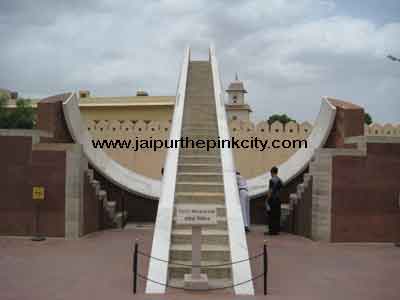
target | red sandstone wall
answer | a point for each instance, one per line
(50, 118)
(48, 169)
(16, 206)
(365, 193)
(349, 121)
(20, 170)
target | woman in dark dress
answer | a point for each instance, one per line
(274, 203)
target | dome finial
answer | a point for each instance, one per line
(236, 76)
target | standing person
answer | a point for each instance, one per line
(274, 203)
(244, 200)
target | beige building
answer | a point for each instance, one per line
(237, 108)
(145, 117)
(154, 108)
(148, 117)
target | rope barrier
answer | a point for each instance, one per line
(200, 266)
(136, 274)
(207, 290)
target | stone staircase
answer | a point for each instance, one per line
(300, 208)
(112, 218)
(316, 192)
(321, 171)
(200, 181)
(311, 204)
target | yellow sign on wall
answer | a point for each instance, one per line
(38, 193)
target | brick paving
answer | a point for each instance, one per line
(99, 267)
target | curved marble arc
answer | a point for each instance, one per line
(150, 188)
(301, 158)
(106, 166)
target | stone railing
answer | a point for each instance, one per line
(128, 127)
(276, 128)
(387, 129)
(237, 127)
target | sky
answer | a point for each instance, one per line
(288, 53)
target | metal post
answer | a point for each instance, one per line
(38, 237)
(135, 265)
(123, 223)
(294, 218)
(265, 254)
(397, 244)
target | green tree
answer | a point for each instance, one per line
(367, 119)
(22, 117)
(3, 111)
(283, 118)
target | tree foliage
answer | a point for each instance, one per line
(367, 119)
(283, 118)
(21, 117)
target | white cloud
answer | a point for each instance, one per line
(289, 53)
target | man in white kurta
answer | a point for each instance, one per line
(244, 200)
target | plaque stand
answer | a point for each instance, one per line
(196, 280)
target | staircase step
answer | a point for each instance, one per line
(102, 195)
(193, 186)
(213, 283)
(200, 197)
(204, 137)
(208, 252)
(202, 167)
(191, 123)
(221, 225)
(200, 132)
(201, 177)
(323, 175)
(320, 192)
(199, 119)
(201, 127)
(214, 271)
(202, 159)
(201, 110)
(199, 151)
(208, 236)
(202, 107)
(317, 168)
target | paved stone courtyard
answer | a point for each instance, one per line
(99, 267)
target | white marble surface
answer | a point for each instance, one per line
(300, 160)
(158, 271)
(237, 238)
(109, 168)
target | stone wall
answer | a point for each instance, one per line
(145, 162)
(387, 129)
(253, 162)
(149, 163)
(27, 163)
(366, 194)
(58, 167)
